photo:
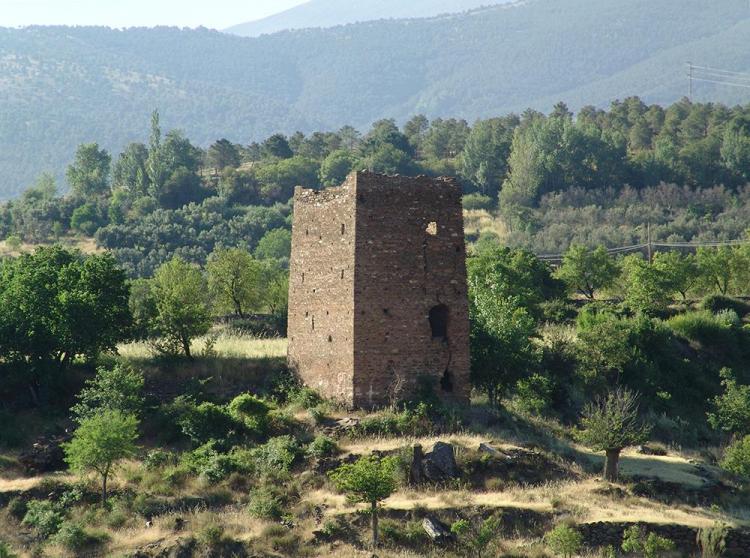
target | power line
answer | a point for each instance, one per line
(636, 247)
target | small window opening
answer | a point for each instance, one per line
(307, 232)
(458, 249)
(432, 228)
(385, 311)
(342, 273)
(439, 321)
(446, 382)
(303, 278)
(343, 228)
(313, 323)
(330, 339)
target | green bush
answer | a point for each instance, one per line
(650, 545)
(158, 458)
(17, 508)
(266, 503)
(74, 537)
(208, 421)
(565, 540)
(737, 457)
(409, 534)
(276, 455)
(5, 550)
(322, 446)
(252, 412)
(305, 397)
(211, 536)
(703, 326)
(44, 516)
(534, 394)
(207, 462)
(478, 201)
(557, 311)
(716, 302)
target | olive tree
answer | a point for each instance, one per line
(611, 424)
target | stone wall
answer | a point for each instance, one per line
(321, 290)
(410, 258)
(377, 290)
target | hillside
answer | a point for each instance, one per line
(64, 86)
(329, 13)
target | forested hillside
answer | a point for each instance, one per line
(328, 13)
(64, 86)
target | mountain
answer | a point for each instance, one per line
(60, 86)
(329, 13)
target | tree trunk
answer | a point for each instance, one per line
(104, 488)
(186, 348)
(374, 524)
(610, 465)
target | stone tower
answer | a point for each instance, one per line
(377, 289)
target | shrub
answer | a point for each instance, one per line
(322, 446)
(565, 540)
(478, 201)
(712, 540)
(44, 516)
(158, 458)
(476, 538)
(5, 551)
(398, 533)
(17, 508)
(737, 457)
(278, 454)
(265, 503)
(703, 326)
(211, 535)
(557, 311)
(208, 463)
(534, 394)
(716, 302)
(208, 421)
(305, 397)
(252, 412)
(74, 537)
(651, 545)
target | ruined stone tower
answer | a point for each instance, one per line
(377, 289)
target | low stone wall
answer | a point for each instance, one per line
(602, 534)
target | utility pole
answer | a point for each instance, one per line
(690, 80)
(648, 236)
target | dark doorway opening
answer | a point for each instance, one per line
(439, 321)
(446, 382)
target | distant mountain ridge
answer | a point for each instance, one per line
(329, 13)
(61, 86)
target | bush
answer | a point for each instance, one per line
(158, 458)
(276, 455)
(557, 311)
(17, 508)
(208, 421)
(44, 516)
(534, 394)
(565, 540)
(5, 551)
(712, 541)
(703, 326)
(737, 457)
(651, 545)
(265, 503)
(211, 535)
(305, 397)
(74, 537)
(716, 302)
(208, 463)
(252, 412)
(478, 201)
(322, 446)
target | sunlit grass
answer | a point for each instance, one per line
(222, 345)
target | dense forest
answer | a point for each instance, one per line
(65, 86)
(542, 182)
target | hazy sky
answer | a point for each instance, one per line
(218, 14)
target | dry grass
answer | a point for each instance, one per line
(225, 345)
(84, 244)
(477, 221)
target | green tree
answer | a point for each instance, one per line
(100, 442)
(370, 480)
(235, 281)
(737, 457)
(156, 164)
(89, 174)
(732, 408)
(719, 267)
(118, 388)
(648, 288)
(277, 146)
(182, 305)
(611, 424)
(587, 271)
(681, 271)
(276, 244)
(336, 166)
(56, 305)
(222, 154)
(485, 153)
(650, 545)
(130, 171)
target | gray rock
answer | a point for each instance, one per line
(440, 463)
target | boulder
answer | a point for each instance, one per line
(440, 463)
(436, 530)
(45, 455)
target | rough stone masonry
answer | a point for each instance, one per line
(377, 289)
